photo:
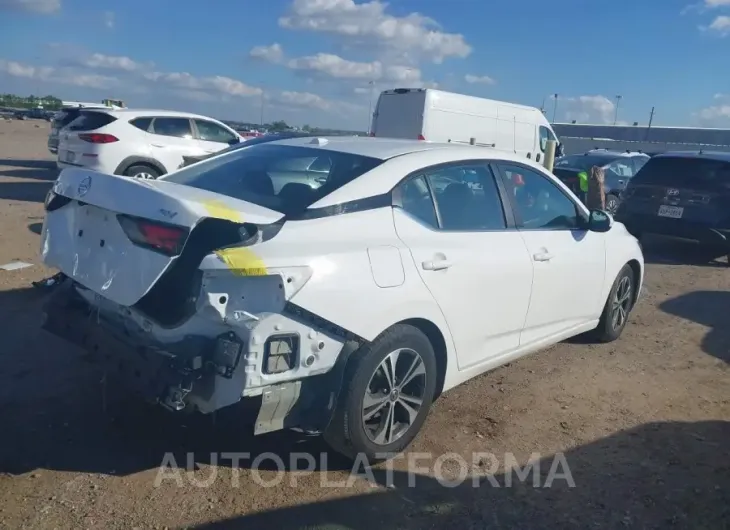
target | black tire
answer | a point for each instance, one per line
(346, 432)
(142, 169)
(612, 202)
(608, 330)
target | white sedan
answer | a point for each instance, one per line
(349, 305)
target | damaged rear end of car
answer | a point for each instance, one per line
(168, 291)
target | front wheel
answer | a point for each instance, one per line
(386, 395)
(612, 203)
(618, 306)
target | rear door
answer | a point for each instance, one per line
(170, 139)
(478, 271)
(399, 114)
(212, 137)
(692, 189)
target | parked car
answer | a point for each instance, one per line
(207, 286)
(682, 194)
(619, 167)
(139, 143)
(438, 116)
(188, 160)
(60, 120)
(21, 115)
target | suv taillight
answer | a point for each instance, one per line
(161, 237)
(98, 138)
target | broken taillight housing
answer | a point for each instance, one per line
(164, 238)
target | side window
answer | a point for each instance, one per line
(142, 123)
(639, 162)
(323, 164)
(415, 198)
(622, 168)
(177, 127)
(212, 132)
(544, 137)
(537, 202)
(466, 198)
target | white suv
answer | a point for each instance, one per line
(139, 143)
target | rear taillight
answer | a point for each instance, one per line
(54, 202)
(421, 137)
(98, 138)
(161, 237)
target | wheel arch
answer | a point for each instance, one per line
(637, 270)
(139, 161)
(438, 342)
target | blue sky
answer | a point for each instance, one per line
(312, 61)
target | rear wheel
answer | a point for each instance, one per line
(142, 171)
(386, 396)
(618, 306)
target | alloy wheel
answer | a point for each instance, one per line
(394, 396)
(621, 303)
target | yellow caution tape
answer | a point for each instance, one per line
(220, 210)
(242, 261)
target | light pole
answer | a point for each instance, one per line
(555, 106)
(262, 108)
(615, 116)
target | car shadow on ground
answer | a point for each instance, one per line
(30, 164)
(36, 228)
(658, 475)
(665, 251)
(25, 191)
(709, 308)
(63, 417)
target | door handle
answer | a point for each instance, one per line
(436, 265)
(157, 145)
(542, 256)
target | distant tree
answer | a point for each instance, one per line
(279, 125)
(306, 128)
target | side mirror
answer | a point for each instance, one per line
(234, 141)
(599, 221)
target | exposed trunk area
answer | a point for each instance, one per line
(172, 299)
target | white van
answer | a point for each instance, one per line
(438, 116)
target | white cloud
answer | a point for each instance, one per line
(56, 75)
(479, 79)
(220, 84)
(413, 36)
(585, 109)
(43, 7)
(717, 114)
(109, 19)
(272, 54)
(720, 26)
(111, 62)
(717, 3)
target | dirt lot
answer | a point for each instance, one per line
(643, 423)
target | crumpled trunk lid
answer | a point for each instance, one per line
(86, 230)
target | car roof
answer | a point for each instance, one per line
(609, 152)
(721, 156)
(385, 148)
(132, 113)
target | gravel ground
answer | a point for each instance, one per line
(640, 425)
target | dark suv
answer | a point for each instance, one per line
(684, 195)
(619, 167)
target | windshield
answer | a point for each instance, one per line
(584, 162)
(284, 178)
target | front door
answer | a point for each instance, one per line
(569, 261)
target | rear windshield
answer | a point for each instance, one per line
(399, 115)
(89, 121)
(65, 117)
(693, 173)
(284, 178)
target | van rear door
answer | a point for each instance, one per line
(399, 114)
